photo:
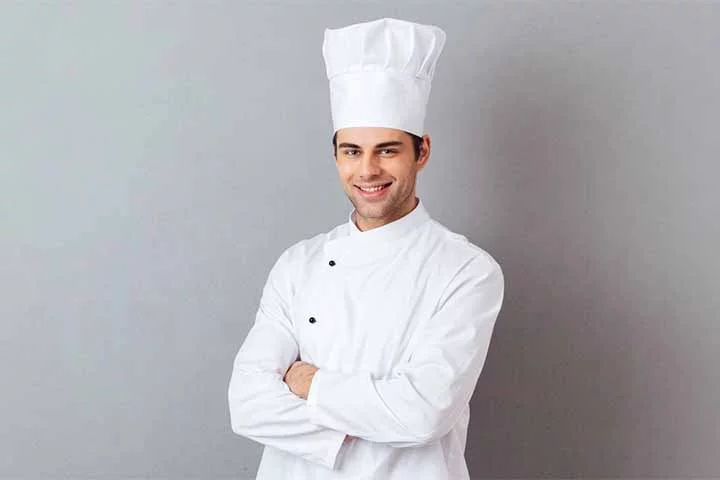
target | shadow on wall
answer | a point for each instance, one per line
(554, 399)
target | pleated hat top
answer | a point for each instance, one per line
(380, 73)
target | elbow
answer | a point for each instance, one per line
(431, 430)
(240, 404)
(237, 415)
(237, 423)
(429, 422)
(251, 396)
(426, 430)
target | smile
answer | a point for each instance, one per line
(373, 191)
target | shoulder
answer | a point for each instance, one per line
(459, 253)
(468, 271)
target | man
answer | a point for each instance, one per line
(370, 338)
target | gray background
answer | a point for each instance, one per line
(157, 157)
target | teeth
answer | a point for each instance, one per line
(372, 189)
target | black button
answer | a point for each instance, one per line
(311, 320)
(331, 263)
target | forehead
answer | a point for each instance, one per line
(368, 136)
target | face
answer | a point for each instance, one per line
(378, 170)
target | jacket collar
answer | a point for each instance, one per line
(360, 247)
(393, 230)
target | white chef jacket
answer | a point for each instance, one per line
(398, 320)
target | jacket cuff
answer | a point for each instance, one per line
(312, 397)
(330, 460)
(312, 402)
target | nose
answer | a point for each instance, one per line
(370, 165)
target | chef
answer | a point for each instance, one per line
(369, 339)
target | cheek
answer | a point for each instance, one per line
(344, 171)
(400, 172)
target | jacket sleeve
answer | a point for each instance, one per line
(262, 407)
(420, 401)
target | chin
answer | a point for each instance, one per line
(372, 211)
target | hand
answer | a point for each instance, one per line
(298, 378)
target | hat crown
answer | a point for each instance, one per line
(385, 44)
(380, 73)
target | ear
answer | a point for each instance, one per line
(424, 156)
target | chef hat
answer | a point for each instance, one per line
(380, 73)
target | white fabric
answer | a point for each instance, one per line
(403, 322)
(380, 73)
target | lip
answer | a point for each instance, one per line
(372, 195)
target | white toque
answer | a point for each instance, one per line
(380, 73)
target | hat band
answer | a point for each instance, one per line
(379, 99)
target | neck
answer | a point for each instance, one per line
(365, 224)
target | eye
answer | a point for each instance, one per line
(388, 152)
(350, 153)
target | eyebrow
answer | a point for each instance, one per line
(394, 143)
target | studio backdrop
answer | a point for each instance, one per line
(156, 158)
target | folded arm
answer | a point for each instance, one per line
(262, 407)
(423, 398)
